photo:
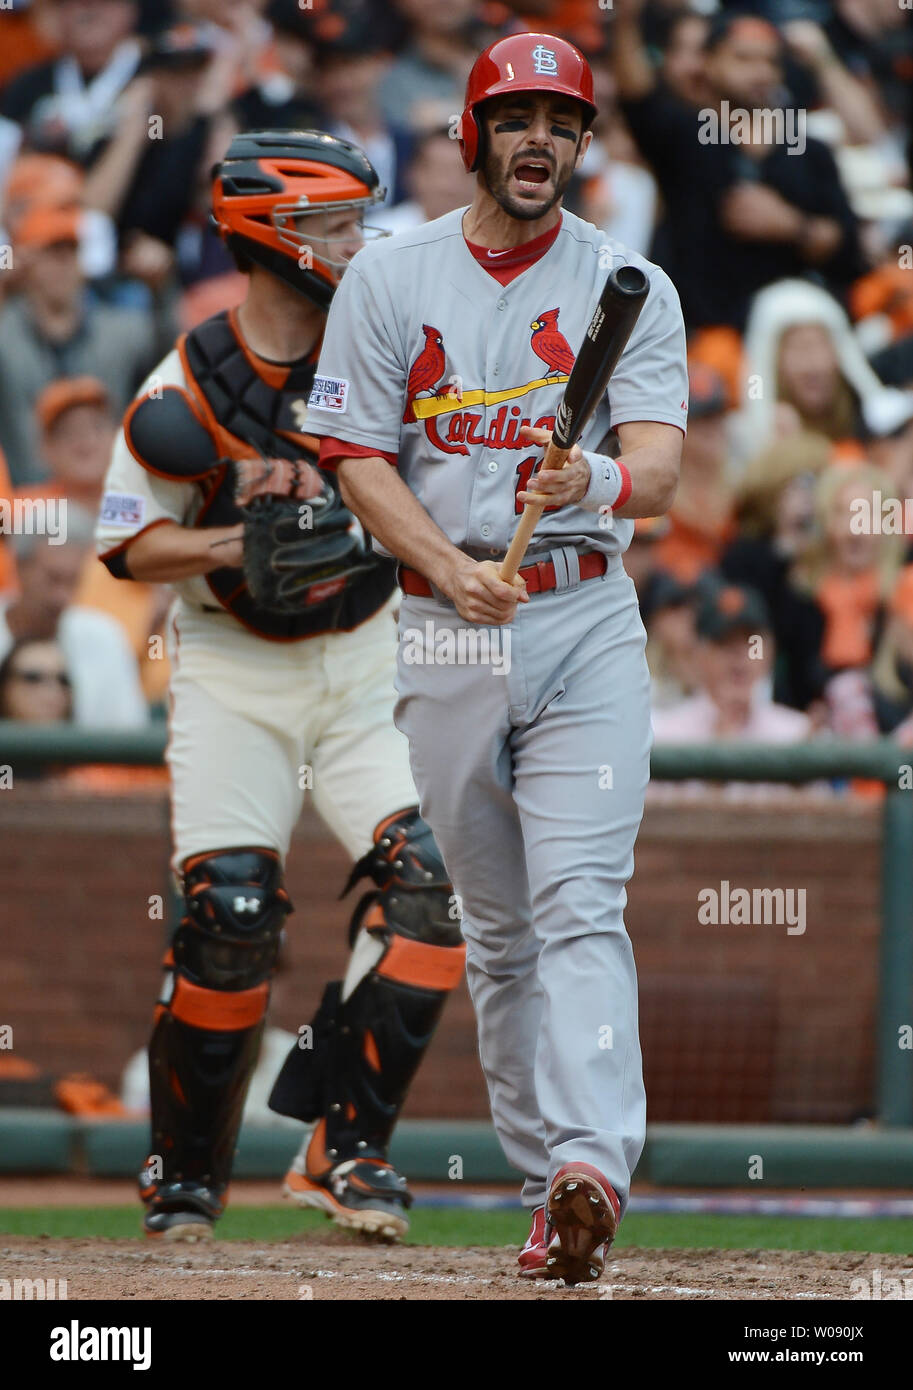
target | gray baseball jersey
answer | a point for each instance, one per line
(531, 772)
(428, 357)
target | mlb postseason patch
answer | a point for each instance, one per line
(329, 393)
(122, 509)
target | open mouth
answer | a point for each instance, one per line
(532, 173)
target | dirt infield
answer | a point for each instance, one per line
(333, 1267)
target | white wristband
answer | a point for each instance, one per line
(607, 482)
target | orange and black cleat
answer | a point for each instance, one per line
(359, 1194)
(180, 1210)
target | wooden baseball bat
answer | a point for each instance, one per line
(609, 329)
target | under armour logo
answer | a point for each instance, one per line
(246, 904)
(299, 409)
(545, 64)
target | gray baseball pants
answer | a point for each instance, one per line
(532, 772)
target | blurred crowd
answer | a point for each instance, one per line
(778, 592)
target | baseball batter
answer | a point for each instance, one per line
(443, 364)
(283, 650)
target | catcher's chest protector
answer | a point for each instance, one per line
(245, 412)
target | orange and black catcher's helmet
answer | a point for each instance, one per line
(523, 63)
(272, 194)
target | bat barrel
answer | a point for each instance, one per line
(613, 320)
(629, 282)
(626, 289)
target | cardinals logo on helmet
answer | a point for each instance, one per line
(550, 344)
(545, 61)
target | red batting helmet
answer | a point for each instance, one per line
(524, 63)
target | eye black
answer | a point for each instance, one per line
(513, 123)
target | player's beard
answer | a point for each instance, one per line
(497, 181)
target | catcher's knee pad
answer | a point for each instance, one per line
(210, 1015)
(412, 917)
(366, 1045)
(228, 939)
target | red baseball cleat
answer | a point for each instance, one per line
(582, 1215)
(531, 1258)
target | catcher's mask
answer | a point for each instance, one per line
(275, 194)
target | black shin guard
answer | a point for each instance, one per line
(198, 1082)
(210, 1019)
(365, 1049)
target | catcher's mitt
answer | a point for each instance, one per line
(300, 549)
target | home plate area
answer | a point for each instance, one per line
(335, 1267)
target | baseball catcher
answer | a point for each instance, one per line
(282, 648)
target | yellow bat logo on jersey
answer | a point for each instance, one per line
(425, 408)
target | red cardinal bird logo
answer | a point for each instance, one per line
(426, 370)
(549, 343)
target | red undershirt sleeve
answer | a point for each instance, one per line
(332, 451)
